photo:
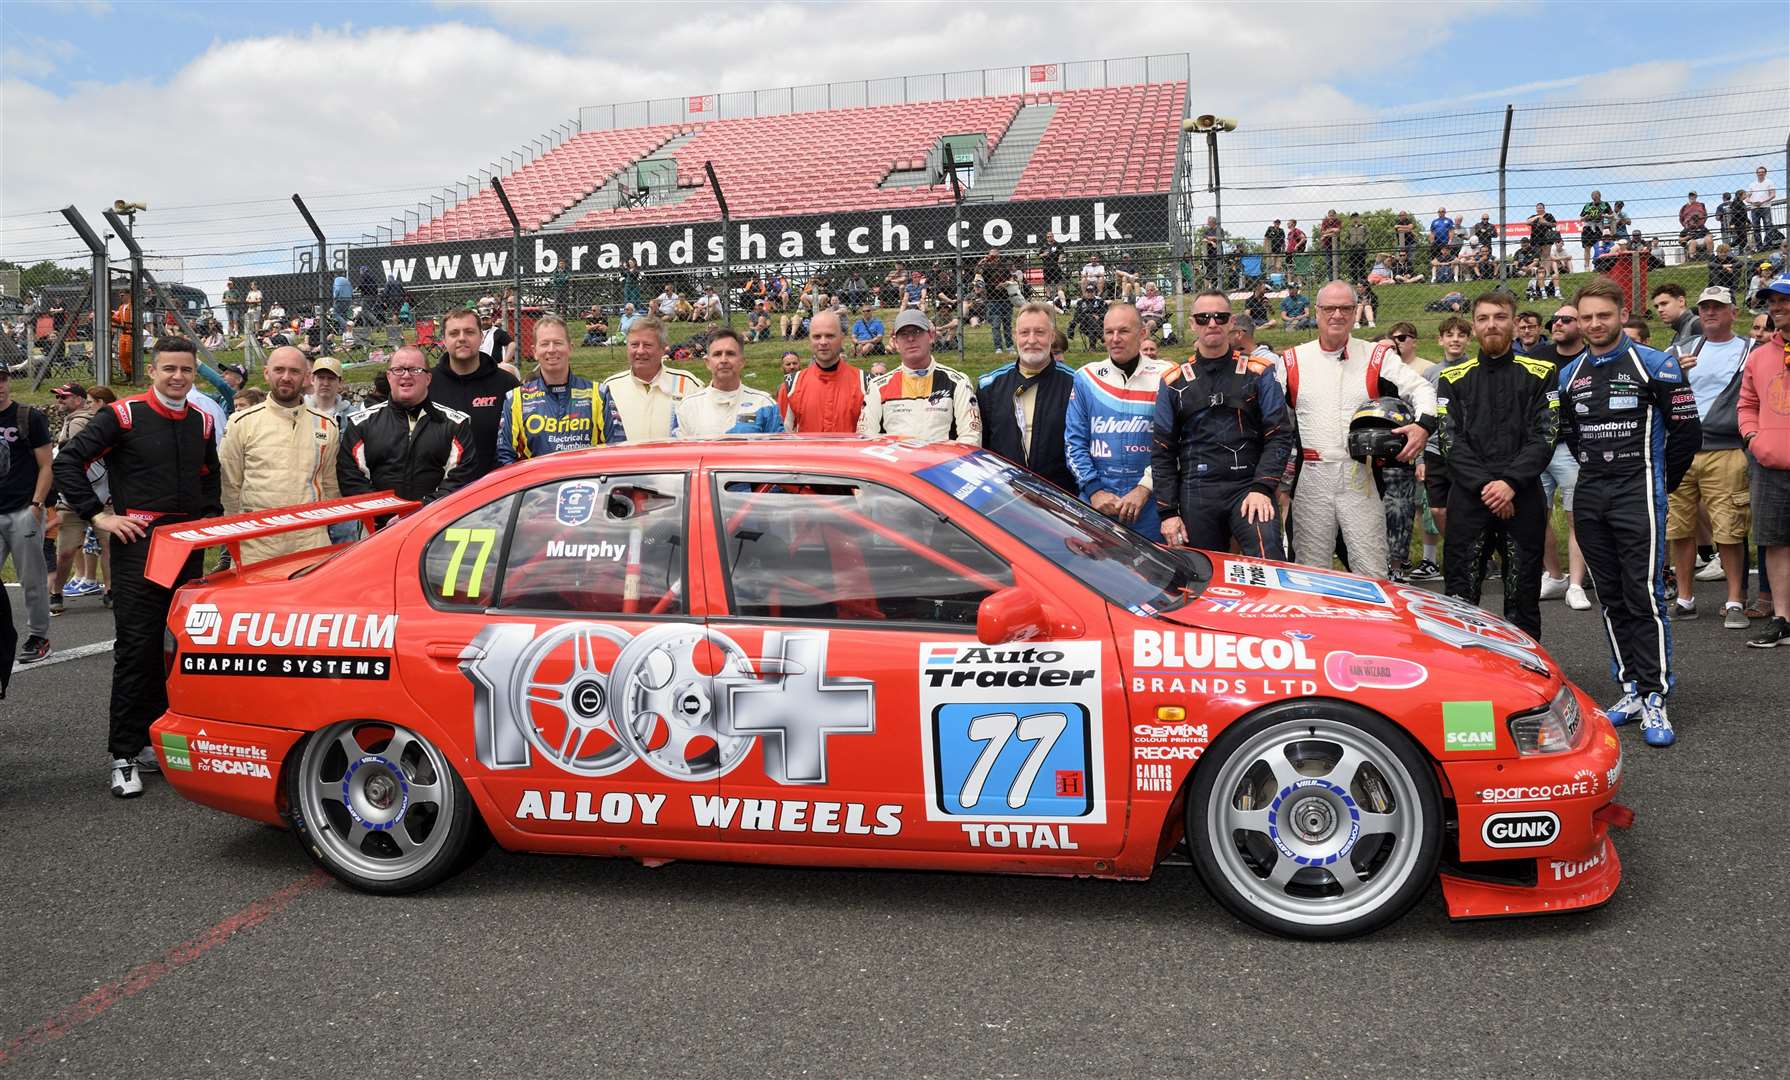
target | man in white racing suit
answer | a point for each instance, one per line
(922, 399)
(726, 406)
(1326, 381)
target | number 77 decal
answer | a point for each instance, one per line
(1042, 730)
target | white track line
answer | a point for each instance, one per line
(65, 655)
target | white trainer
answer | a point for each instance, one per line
(126, 784)
(1712, 570)
(1553, 588)
(1576, 598)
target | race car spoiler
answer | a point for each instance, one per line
(170, 547)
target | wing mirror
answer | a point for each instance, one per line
(1012, 614)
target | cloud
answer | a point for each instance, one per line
(28, 56)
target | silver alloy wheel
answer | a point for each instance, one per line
(1315, 821)
(383, 813)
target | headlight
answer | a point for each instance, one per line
(1548, 730)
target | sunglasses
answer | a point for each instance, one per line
(1211, 318)
(1558, 319)
(1404, 337)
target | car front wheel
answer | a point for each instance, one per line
(1315, 820)
(378, 806)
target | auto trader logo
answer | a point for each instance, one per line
(203, 621)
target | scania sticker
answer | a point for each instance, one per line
(1532, 828)
(1012, 733)
(231, 767)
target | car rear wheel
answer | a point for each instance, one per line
(378, 806)
(1315, 820)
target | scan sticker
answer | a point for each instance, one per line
(1312, 582)
(1013, 733)
(1468, 725)
(575, 503)
(176, 752)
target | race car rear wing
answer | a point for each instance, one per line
(170, 547)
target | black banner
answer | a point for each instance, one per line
(921, 233)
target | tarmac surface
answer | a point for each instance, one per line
(156, 938)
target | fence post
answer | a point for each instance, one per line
(1503, 215)
(102, 303)
(726, 244)
(957, 251)
(325, 309)
(515, 258)
(136, 252)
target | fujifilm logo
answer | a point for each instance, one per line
(203, 621)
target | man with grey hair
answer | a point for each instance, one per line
(1326, 381)
(644, 395)
(407, 443)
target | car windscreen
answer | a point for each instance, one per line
(1108, 558)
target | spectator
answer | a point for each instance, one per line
(280, 452)
(341, 294)
(1497, 436)
(1381, 271)
(1125, 276)
(726, 406)
(913, 293)
(1765, 433)
(1295, 310)
(596, 329)
(555, 410)
(254, 395)
(1619, 222)
(778, 293)
(23, 494)
(946, 325)
(1485, 232)
(1595, 220)
(1274, 242)
(1715, 486)
(77, 413)
(1336, 493)
(1636, 328)
(1404, 233)
(758, 325)
(1024, 405)
(1453, 335)
(1760, 194)
(1725, 270)
(1296, 242)
(1624, 478)
(922, 399)
(856, 291)
(1211, 251)
(161, 469)
(1355, 241)
(1562, 474)
(1256, 308)
(828, 394)
(1724, 218)
(1243, 330)
(1151, 304)
(790, 363)
(642, 397)
(468, 380)
(867, 333)
(1442, 266)
(1735, 227)
(1400, 486)
(1109, 422)
(1369, 307)
(1441, 232)
(629, 316)
(631, 276)
(408, 442)
(1669, 304)
(1545, 231)
(1088, 314)
(1219, 452)
(1147, 347)
(1050, 260)
(707, 307)
(1693, 228)
(1094, 274)
(665, 304)
(997, 275)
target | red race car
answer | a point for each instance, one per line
(843, 652)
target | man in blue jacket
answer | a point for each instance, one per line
(556, 410)
(1111, 413)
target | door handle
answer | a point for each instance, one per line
(451, 652)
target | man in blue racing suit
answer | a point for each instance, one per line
(1629, 417)
(1111, 414)
(556, 410)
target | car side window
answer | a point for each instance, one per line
(826, 548)
(460, 565)
(608, 545)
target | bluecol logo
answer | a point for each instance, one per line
(576, 503)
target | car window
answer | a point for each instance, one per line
(825, 548)
(610, 545)
(460, 565)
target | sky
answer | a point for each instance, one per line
(214, 114)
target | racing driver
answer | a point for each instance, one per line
(1629, 416)
(725, 406)
(922, 399)
(1109, 423)
(1221, 441)
(555, 410)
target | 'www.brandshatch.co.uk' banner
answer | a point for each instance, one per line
(920, 233)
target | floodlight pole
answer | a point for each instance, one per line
(323, 297)
(515, 258)
(101, 301)
(957, 246)
(1503, 213)
(726, 245)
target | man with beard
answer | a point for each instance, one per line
(1498, 419)
(281, 452)
(468, 381)
(1108, 428)
(1630, 418)
(1220, 442)
(828, 394)
(1562, 474)
(1025, 404)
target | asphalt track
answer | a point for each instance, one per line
(154, 938)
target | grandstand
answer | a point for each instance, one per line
(1027, 146)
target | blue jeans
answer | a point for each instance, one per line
(1000, 320)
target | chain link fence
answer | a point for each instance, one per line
(1419, 212)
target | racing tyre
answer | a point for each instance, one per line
(378, 806)
(1315, 820)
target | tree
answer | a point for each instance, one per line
(36, 276)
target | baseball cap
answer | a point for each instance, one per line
(912, 318)
(1779, 285)
(329, 364)
(70, 389)
(1716, 294)
(238, 369)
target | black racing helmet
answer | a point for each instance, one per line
(1372, 438)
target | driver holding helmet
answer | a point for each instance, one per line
(1499, 413)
